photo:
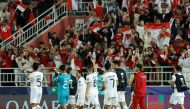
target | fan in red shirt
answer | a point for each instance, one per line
(44, 58)
(139, 88)
(5, 30)
(99, 9)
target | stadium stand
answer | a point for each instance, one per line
(154, 33)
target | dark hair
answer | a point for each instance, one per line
(62, 67)
(107, 65)
(124, 9)
(139, 66)
(68, 69)
(178, 68)
(116, 62)
(35, 66)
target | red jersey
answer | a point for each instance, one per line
(140, 84)
(63, 54)
(44, 60)
(99, 11)
(5, 32)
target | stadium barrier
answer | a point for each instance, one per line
(18, 77)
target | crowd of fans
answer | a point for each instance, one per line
(110, 42)
(12, 19)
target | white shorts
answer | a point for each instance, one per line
(72, 99)
(110, 101)
(35, 95)
(92, 98)
(80, 100)
(121, 96)
(177, 99)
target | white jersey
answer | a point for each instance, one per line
(81, 87)
(35, 79)
(110, 79)
(92, 80)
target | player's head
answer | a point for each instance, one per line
(90, 68)
(108, 65)
(138, 67)
(177, 68)
(116, 63)
(62, 68)
(69, 69)
(35, 66)
(79, 74)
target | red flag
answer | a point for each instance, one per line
(96, 26)
(22, 7)
(72, 5)
(75, 63)
(125, 30)
(175, 4)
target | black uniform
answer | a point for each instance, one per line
(180, 83)
(73, 85)
(122, 79)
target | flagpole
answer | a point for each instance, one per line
(13, 15)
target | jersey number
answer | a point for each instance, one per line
(39, 83)
(71, 84)
(112, 80)
(65, 83)
(95, 83)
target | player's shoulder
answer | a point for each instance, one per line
(82, 79)
(112, 73)
(67, 75)
(36, 73)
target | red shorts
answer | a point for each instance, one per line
(138, 100)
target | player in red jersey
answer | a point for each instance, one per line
(139, 88)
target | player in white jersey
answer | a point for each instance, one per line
(35, 79)
(92, 88)
(110, 82)
(179, 86)
(81, 90)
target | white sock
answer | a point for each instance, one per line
(97, 107)
(34, 107)
(39, 107)
(125, 107)
(170, 108)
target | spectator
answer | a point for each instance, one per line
(54, 40)
(5, 29)
(164, 16)
(44, 57)
(184, 62)
(4, 13)
(177, 29)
